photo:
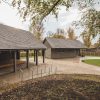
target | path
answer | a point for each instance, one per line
(64, 66)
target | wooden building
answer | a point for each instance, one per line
(62, 48)
(12, 41)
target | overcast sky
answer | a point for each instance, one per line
(9, 16)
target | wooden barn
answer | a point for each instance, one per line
(12, 41)
(62, 48)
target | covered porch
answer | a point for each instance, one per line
(12, 42)
(10, 60)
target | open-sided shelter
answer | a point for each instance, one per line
(13, 40)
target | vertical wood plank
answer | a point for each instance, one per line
(27, 58)
(43, 54)
(36, 57)
(14, 61)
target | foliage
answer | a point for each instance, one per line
(59, 34)
(71, 34)
(31, 54)
(86, 38)
(23, 54)
(37, 30)
(96, 45)
(90, 21)
(37, 10)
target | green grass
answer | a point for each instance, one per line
(93, 62)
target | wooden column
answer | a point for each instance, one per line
(79, 52)
(43, 54)
(36, 57)
(18, 54)
(14, 61)
(27, 58)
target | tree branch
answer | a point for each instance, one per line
(51, 9)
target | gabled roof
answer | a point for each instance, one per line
(13, 38)
(64, 43)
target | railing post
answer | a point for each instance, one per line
(41, 72)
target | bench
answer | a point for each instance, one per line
(10, 65)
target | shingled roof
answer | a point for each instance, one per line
(13, 38)
(64, 43)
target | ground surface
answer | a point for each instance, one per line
(92, 61)
(64, 66)
(57, 87)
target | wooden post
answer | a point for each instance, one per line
(18, 54)
(14, 61)
(80, 52)
(36, 57)
(43, 54)
(27, 58)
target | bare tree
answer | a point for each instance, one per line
(90, 22)
(86, 39)
(37, 30)
(59, 34)
(71, 34)
(96, 45)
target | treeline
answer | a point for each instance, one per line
(90, 52)
(31, 53)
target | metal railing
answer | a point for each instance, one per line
(37, 72)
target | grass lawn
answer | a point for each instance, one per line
(93, 61)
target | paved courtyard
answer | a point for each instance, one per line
(60, 66)
(70, 66)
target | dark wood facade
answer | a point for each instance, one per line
(57, 49)
(6, 57)
(61, 53)
(64, 53)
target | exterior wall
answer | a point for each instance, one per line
(6, 57)
(48, 53)
(48, 50)
(64, 53)
(60, 52)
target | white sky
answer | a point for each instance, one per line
(9, 16)
(64, 19)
